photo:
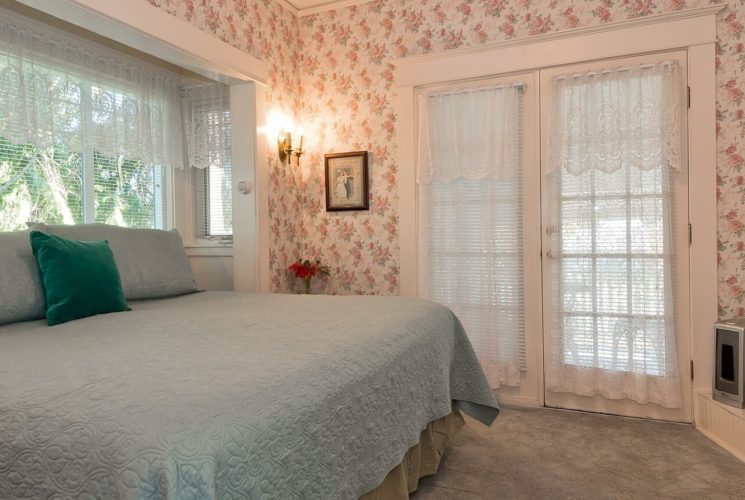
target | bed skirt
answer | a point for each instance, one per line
(422, 459)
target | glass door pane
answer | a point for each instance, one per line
(615, 246)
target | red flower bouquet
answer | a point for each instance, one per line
(307, 270)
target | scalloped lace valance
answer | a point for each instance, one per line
(456, 142)
(59, 89)
(207, 126)
(593, 127)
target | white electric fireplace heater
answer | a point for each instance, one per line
(728, 375)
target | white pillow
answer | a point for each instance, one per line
(21, 295)
(152, 263)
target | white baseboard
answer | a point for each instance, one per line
(722, 424)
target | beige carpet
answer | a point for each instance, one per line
(538, 453)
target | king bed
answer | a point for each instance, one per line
(232, 395)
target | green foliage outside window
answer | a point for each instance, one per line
(39, 185)
(125, 192)
(49, 186)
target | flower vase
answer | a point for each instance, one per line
(306, 286)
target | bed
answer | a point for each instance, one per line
(230, 395)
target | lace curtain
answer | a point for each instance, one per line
(608, 119)
(469, 134)
(58, 89)
(207, 124)
(614, 149)
(470, 227)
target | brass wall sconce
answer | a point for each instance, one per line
(285, 149)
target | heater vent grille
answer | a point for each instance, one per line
(728, 366)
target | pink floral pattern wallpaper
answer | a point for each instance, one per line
(340, 64)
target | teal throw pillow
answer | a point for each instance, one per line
(80, 278)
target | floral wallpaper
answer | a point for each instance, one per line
(340, 65)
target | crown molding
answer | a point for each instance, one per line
(287, 5)
(332, 5)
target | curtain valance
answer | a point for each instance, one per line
(469, 133)
(605, 120)
(207, 125)
(58, 89)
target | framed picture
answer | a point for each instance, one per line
(346, 181)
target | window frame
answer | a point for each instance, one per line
(200, 189)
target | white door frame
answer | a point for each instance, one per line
(693, 30)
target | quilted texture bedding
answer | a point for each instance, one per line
(229, 395)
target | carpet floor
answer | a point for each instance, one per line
(538, 453)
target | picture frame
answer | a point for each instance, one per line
(347, 183)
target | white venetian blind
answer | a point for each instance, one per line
(470, 227)
(208, 140)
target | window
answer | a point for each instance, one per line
(214, 203)
(87, 134)
(208, 129)
(54, 186)
(471, 229)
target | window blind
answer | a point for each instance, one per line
(470, 229)
(214, 203)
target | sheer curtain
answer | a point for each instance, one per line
(470, 218)
(58, 89)
(614, 145)
(89, 133)
(207, 126)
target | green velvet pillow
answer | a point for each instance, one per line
(80, 278)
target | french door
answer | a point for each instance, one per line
(615, 237)
(594, 197)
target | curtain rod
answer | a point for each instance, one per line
(483, 88)
(616, 70)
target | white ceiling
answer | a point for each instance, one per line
(305, 7)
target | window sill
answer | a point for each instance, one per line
(208, 249)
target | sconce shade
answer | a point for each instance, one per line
(284, 145)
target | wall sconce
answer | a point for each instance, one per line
(285, 149)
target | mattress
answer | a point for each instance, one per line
(229, 395)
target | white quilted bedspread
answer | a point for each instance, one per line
(227, 395)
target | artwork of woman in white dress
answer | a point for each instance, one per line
(344, 184)
(346, 181)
